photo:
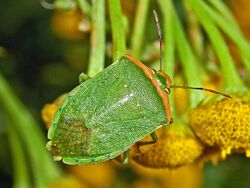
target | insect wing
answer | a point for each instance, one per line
(104, 116)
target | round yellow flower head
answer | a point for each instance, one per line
(224, 123)
(176, 146)
(67, 181)
(49, 110)
(94, 175)
(180, 105)
(67, 24)
(211, 154)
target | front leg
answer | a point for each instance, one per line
(83, 77)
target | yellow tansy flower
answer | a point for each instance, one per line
(68, 181)
(95, 175)
(211, 154)
(224, 123)
(49, 110)
(66, 24)
(176, 146)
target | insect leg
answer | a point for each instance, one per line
(125, 157)
(153, 141)
(171, 121)
(83, 77)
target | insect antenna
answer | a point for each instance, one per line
(201, 88)
(159, 33)
(161, 56)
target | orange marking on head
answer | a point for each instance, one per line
(149, 73)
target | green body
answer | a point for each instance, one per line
(104, 116)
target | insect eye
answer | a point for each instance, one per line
(167, 90)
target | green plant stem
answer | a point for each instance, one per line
(169, 48)
(138, 33)
(43, 168)
(194, 31)
(118, 32)
(20, 166)
(223, 9)
(231, 28)
(188, 61)
(232, 81)
(168, 35)
(84, 6)
(196, 39)
(97, 55)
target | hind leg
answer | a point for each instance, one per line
(153, 141)
(124, 158)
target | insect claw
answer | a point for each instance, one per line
(57, 158)
(171, 121)
(125, 157)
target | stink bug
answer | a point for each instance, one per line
(104, 116)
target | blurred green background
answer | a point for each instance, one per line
(42, 52)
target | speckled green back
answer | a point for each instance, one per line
(107, 113)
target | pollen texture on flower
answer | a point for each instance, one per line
(224, 123)
(173, 149)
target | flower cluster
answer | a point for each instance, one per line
(176, 146)
(223, 123)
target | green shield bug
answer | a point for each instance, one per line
(104, 116)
